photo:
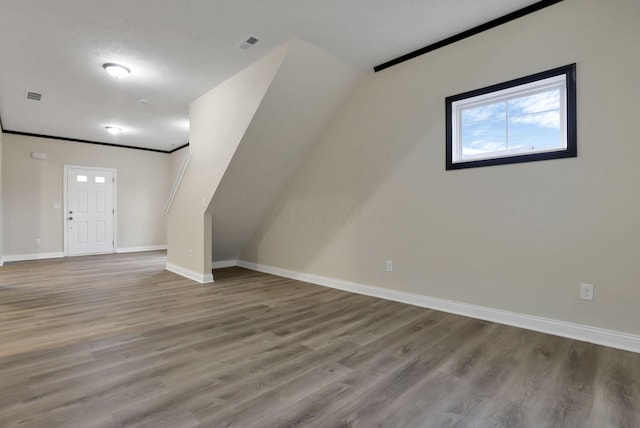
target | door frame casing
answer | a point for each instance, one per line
(66, 210)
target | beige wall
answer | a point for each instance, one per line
(305, 93)
(218, 120)
(31, 187)
(516, 237)
(176, 159)
(1, 216)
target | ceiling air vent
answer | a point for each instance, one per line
(34, 96)
(249, 42)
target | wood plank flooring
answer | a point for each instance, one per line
(116, 341)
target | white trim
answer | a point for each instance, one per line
(195, 276)
(176, 184)
(224, 264)
(99, 253)
(600, 336)
(64, 202)
(33, 256)
(141, 249)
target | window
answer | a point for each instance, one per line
(100, 180)
(81, 178)
(528, 119)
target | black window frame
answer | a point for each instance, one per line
(571, 132)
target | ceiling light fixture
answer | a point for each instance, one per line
(116, 70)
(114, 130)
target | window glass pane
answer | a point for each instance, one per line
(536, 103)
(81, 178)
(485, 112)
(483, 137)
(539, 131)
(100, 180)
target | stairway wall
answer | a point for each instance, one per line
(306, 91)
(219, 120)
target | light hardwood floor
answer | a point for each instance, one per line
(116, 341)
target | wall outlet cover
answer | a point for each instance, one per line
(586, 291)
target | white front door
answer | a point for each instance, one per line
(89, 216)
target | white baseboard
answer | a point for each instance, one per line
(599, 336)
(224, 264)
(195, 276)
(34, 256)
(141, 249)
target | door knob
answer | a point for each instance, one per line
(70, 218)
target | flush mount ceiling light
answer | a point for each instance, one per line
(114, 130)
(116, 70)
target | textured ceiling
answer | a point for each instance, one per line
(178, 50)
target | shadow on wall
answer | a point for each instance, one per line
(304, 95)
(333, 194)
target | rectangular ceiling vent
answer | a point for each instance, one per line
(34, 96)
(249, 42)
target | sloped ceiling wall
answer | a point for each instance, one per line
(301, 100)
(248, 137)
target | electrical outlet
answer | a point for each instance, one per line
(190, 253)
(389, 265)
(586, 291)
(37, 241)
